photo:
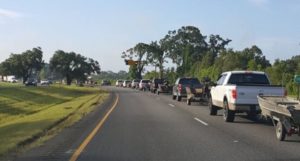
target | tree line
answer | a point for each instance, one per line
(30, 64)
(198, 55)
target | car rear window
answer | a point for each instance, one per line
(189, 81)
(136, 80)
(145, 81)
(249, 78)
(158, 80)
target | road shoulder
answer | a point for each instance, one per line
(61, 146)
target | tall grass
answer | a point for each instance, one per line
(26, 112)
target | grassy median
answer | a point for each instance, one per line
(30, 114)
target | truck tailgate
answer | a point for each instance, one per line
(248, 94)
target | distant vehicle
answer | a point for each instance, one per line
(10, 79)
(119, 83)
(31, 82)
(80, 83)
(237, 91)
(135, 83)
(154, 84)
(105, 83)
(45, 82)
(179, 89)
(13, 80)
(127, 83)
(144, 84)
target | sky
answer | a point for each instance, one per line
(103, 29)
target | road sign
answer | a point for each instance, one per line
(297, 79)
(130, 62)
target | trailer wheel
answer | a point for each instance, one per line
(280, 131)
(188, 101)
(213, 110)
(178, 98)
(228, 114)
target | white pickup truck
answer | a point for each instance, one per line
(237, 91)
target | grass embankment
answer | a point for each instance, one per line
(37, 113)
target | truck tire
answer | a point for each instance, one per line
(174, 97)
(178, 98)
(157, 92)
(188, 101)
(280, 131)
(213, 110)
(228, 114)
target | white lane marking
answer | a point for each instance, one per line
(171, 105)
(70, 151)
(202, 122)
(235, 141)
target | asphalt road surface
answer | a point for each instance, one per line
(147, 127)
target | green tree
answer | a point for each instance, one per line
(140, 53)
(133, 72)
(216, 44)
(184, 46)
(73, 66)
(25, 64)
(157, 56)
(150, 75)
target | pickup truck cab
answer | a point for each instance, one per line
(237, 91)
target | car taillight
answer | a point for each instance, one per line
(234, 94)
(179, 87)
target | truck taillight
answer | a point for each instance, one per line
(234, 94)
(179, 87)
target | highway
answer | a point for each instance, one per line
(147, 127)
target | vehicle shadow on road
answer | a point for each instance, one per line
(292, 141)
(247, 120)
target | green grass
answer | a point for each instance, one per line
(27, 113)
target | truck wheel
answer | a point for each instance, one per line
(280, 131)
(213, 110)
(188, 101)
(178, 98)
(157, 92)
(228, 114)
(174, 97)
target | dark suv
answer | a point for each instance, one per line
(179, 90)
(31, 82)
(154, 84)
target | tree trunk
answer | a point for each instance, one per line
(161, 71)
(69, 80)
(139, 72)
(25, 78)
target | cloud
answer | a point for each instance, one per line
(4, 13)
(259, 3)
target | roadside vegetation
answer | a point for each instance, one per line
(36, 113)
(198, 55)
